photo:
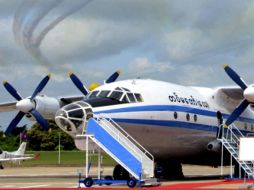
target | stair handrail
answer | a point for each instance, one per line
(233, 135)
(116, 135)
(145, 151)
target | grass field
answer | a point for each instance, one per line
(67, 158)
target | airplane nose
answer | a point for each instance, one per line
(249, 94)
(73, 117)
(25, 105)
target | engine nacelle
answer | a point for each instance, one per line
(214, 146)
(47, 106)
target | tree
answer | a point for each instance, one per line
(40, 139)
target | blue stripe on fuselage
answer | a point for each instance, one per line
(168, 123)
(177, 124)
(172, 108)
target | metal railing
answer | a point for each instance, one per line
(230, 139)
(129, 142)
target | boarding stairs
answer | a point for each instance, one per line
(230, 140)
(117, 143)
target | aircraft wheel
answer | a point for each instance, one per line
(88, 182)
(1, 167)
(120, 173)
(168, 170)
(108, 177)
(131, 182)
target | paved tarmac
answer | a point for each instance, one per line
(47, 177)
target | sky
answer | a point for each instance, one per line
(184, 42)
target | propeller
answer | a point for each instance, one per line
(82, 87)
(248, 93)
(26, 105)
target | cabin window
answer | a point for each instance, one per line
(175, 115)
(131, 97)
(195, 118)
(188, 117)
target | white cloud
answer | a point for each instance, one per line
(142, 67)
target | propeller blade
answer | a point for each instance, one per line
(237, 112)
(113, 77)
(12, 90)
(235, 77)
(14, 122)
(40, 86)
(78, 83)
(43, 122)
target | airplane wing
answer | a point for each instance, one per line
(8, 106)
(16, 158)
(70, 99)
(11, 106)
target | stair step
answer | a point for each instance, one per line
(231, 142)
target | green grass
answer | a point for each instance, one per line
(67, 158)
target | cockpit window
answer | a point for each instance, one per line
(72, 106)
(116, 95)
(131, 97)
(125, 99)
(121, 94)
(76, 113)
(138, 97)
(93, 94)
(126, 89)
(104, 93)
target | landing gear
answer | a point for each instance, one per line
(120, 173)
(1, 167)
(168, 170)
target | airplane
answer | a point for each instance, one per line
(15, 156)
(177, 124)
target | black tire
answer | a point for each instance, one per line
(168, 170)
(131, 182)
(88, 182)
(108, 177)
(120, 173)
